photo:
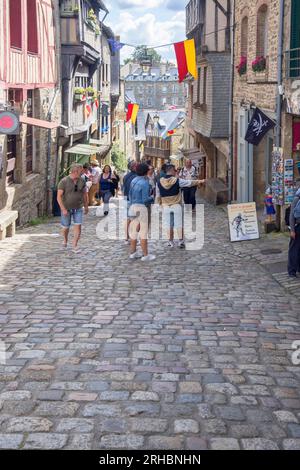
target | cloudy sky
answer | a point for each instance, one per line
(150, 22)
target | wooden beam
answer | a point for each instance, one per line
(218, 4)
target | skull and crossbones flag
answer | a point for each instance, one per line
(259, 125)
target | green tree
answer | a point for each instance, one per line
(118, 158)
(140, 52)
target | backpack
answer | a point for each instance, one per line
(296, 212)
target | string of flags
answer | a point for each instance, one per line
(185, 52)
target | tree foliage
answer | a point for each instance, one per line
(118, 158)
(139, 54)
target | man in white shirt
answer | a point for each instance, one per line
(189, 172)
(96, 173)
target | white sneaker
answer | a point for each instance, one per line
(148, 258)
(171, 244)
(135, 255)
(181, 244)
(127, 242)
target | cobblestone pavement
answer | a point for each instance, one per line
(191, 351)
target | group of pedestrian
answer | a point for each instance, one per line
(102, 184)
(142, 188)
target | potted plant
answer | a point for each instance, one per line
(79, 94)
(259, 64)
(242, 67)
(90, 91)
(97, 30)
(91, 15)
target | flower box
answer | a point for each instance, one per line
(259, 64)
(242, 67)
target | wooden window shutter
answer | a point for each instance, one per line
(32, 34)
(295, 25)
(15, 15)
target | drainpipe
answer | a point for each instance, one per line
(48, 176)
(279, 75)
(232, 70)
(278, 138)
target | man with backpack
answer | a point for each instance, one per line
(294, 248)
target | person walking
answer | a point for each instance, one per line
(87, 175)
(107, 180)
(72, 195)
(189, 173)
(294, 247)
(139, 201)
(95, 178)
(132, 166)
(169, 196)
(116, 183)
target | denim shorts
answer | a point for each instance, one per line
(75, 214)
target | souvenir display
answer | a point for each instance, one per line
(278, 176)
(288, 181)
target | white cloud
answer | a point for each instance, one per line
(151, 31)
(125, 4)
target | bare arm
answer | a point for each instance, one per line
(60, 194)
(86, 201)
(189, 183)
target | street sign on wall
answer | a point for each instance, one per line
(9, 123)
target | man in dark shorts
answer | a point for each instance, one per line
(72, 195)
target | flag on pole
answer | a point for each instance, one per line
(132, 112)
(115, 45)
(186, 59)
(259, 125)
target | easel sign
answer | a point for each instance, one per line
(243, 223)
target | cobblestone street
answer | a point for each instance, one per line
(191, 351)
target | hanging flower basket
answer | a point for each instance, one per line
(242, 67)
(259, 64)
(79, 94)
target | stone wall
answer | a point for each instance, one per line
(28, 194)
(256, 89)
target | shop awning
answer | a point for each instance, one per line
(87, 149)
(38, 122)
(193, 154)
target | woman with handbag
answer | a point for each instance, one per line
(107, 186)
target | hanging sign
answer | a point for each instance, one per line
(243, 223)
(9, 123)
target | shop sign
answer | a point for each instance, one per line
(243, 223)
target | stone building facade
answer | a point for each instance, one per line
(29, 85)
(252, 166)
(157, 88)
(207, 126)
(257, 34)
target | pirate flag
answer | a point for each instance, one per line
(259, 125)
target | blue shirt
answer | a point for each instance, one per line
(127, 182)
(139, 192)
